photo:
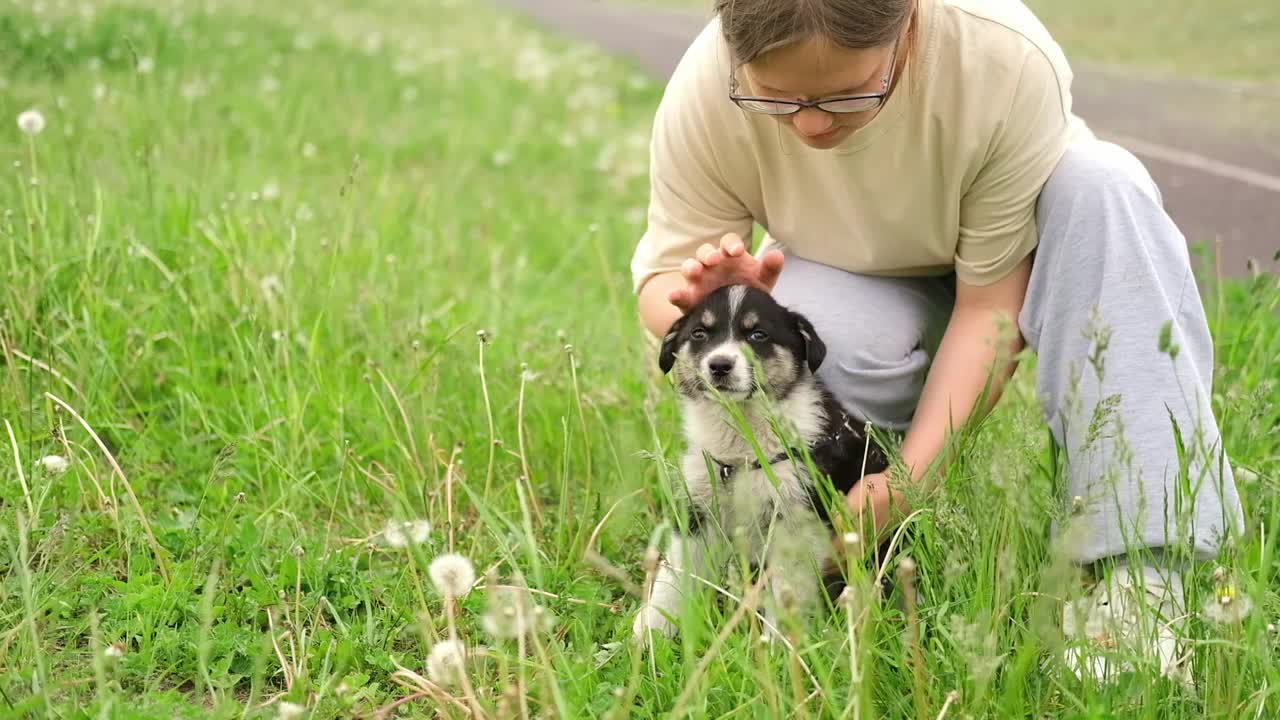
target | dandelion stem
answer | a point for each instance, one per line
(488, 412)
(449, 603)
(524, 463)
(448, 493)
(582, 420)
(422, 598)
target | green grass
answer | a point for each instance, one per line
(1229, 39)
(252, 279)
(1224, 39)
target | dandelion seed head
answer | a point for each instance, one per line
(289, 710)
(445, 663)
(502, 158)
(53, 464)
(308, 150)
(1227, 605)
(271, 286)
(271, 190)
(99, 92)
(31, 122)
(146, 65)
(452, 574)
(404, 534)
(511, 614)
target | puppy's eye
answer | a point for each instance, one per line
(758, 336)
(698, 334)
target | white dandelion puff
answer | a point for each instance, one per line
(502, 158)
(452, 574)
(304, 213)
(271, 286)
(31, 122)
(271, 190)
(308, 150)
(192, 90)
(512, 615)
(404, 534)
(445, 663)
(289, 710)
(269, 84)
(146, 65)
(53, 464)
(99, 92)
(1227, 605)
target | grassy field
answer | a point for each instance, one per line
(278, 280)
(1223, 39)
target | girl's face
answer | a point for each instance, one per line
(815, 69)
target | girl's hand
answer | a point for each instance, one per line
(730, 264)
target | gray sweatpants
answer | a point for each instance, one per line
(1111, 270)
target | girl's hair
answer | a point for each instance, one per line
(755, 27)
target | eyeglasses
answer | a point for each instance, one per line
(865, 102)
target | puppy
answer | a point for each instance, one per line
(735, 510)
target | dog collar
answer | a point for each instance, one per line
(725, 470)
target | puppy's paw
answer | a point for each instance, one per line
(651, 619)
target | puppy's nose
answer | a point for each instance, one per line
(720, 366)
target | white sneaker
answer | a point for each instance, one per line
(1128, 624)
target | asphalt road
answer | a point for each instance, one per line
(1213, 149)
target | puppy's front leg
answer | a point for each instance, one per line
(794, 560)
(685, 555)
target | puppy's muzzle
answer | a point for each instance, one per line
(720, 368)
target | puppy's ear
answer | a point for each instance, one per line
(815, 351)
(667, 356)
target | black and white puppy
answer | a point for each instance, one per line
(740, 350)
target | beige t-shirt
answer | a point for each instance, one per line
(945, 177)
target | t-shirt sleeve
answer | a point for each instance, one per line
(998, 212)
(690, 201)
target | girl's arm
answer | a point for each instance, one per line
(980, 344)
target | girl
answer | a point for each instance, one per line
(932, 204)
